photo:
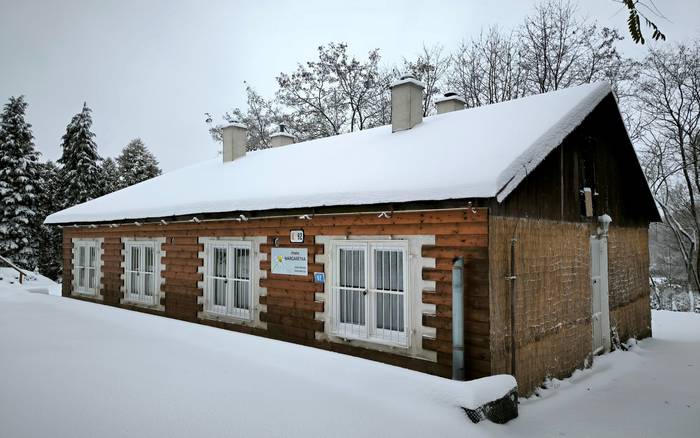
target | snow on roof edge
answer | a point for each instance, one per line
(514, 174)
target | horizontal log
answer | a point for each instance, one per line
(181, 261)
(292, 294)
(185, 276)
(472, 240)
(311, 248)
(431, 274)
(289, 321)
(451, 252)
(293, 285)
(178, 247)
(437, 345)
(315, 306)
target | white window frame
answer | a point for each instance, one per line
(86, 245)
(369, 331)
(231, 279)
(140, 274)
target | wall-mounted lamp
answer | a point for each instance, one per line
(604, 224)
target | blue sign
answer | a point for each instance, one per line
(319, 277)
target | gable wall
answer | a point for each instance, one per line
(553, 189)
(291, 308)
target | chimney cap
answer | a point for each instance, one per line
(282, 134)
(450, 95)
(407, 79)
(235, 125)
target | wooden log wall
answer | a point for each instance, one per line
(290, 301)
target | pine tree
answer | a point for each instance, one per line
(110, 175)
(136, 164)
(80, 174)
(49, 236)
(18, 172)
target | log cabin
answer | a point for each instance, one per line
(509, 238)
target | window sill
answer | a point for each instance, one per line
(146, 305)
(368, 342)
(230, 319)
(93, 295)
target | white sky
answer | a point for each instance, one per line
(151, 69)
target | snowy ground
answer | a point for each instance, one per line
(653, 390)
(33, 282)
(75, 369)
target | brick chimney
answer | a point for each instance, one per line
(406, 103)
(235, 141)
(281, 138)
(451, 101)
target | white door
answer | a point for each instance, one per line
(600, 311)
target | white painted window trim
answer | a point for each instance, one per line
(140, 299)
(415, 288)
(369, 332)
(95, 291)
(252, 243)
(230, 246)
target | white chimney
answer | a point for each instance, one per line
(281, 138)
(235, 141)
(451, 101)
(406, 103)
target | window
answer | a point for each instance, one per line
(368, 291)
(85, 266)
(227, 289)
(142, 271)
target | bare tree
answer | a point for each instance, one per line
(261, 117)
(337, 93)
(669, 110)
(487, 69)
(430, 66)
(359, 83)
(560, 50)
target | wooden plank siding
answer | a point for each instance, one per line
(597, 154)
(290, 301)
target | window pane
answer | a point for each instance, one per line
(148, 283)
(352, 268)
(93, 256)
(242, 260)
(388, 276)
(81, 256)
(133, 283)
(91, 278)
(135, 258)
(388, 270)
(219, 265)
(390, 314)
(149, 259)
(81, 277)
(352, 306)
(219, 292)
(241, 295)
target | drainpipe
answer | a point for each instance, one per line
(458, 319)
(512, 277)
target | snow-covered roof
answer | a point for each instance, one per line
(481, 152)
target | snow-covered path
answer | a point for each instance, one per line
(75, 369)
(651, 391)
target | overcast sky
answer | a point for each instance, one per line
(151, 69)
